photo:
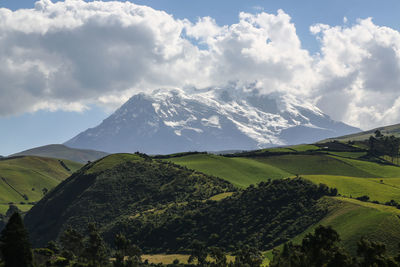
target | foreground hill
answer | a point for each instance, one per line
(115, 186)
(345, 167)
(23, 178)
(164, 207)
(213, 120)
(63, 152)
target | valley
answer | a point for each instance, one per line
(166, 202)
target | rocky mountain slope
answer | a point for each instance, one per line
(169, 121)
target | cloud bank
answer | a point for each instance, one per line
(69, 55)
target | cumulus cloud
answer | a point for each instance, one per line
(359, 69)
(68, 55)
(73, 53)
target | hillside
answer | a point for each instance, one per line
(117, 185)
(386, 130)
(354, 219)
(163, 205)
(63, 152)
(344, 169)
(263, 216)
(23, 178)
(171, 121)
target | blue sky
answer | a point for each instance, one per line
(30, 129)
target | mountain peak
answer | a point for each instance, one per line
(169, 121)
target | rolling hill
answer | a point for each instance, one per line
(348, 171)
(116, 186)
(23, 178)
(337, 165)
(386, 130)
(174, 199)
(63, 152)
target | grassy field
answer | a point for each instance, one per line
(314, 164)
(4, 207)
(169, 258)
(320, 168)
(28, 176)
(239, 171)
(354, 219)
(356, 187)
(354, 155)
(110, 161)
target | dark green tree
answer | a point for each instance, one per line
(14, 243)
(71, 243)
(124, 248)
(320, 248)
(95, 251)
(219, 257)
(373, 254)
(11, 210)
(199, 253)
(248, 256)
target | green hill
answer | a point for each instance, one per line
(164, 205)
(239, 171)
(22, 179)
(63, 152)
(319, 166)
(354, 219)
(117, 185)
(386, 130)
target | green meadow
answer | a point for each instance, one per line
(239, 171)
(28, 176)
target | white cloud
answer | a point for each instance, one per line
(360, 73)
(67, 55)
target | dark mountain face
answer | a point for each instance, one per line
(173, 121)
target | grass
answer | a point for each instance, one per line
(314, 164)
(240, 171)
(111, 161)
(221, 196)
(4, 207)
(169, 258)
(356, 187)
(354, 219)
(165, 258)
(303, 148)
(354, 155)
(375, 170)
(28, 175)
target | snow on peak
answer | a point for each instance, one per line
(174, 120)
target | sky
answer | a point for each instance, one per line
(65, 66)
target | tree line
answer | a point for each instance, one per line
(381, 145)
(320, 248)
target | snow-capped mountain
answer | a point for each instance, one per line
(169, 121)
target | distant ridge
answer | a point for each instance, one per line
(360, 136)
(63, 152)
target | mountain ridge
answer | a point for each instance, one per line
(63, 152)
(170, 121)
